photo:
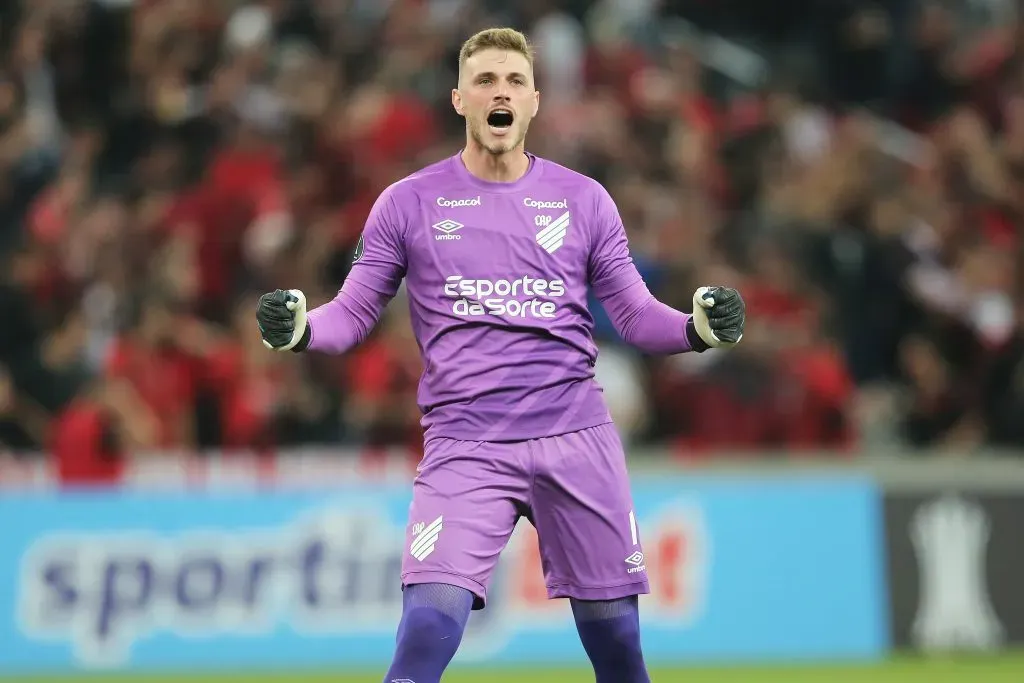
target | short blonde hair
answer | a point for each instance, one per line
(507, 39)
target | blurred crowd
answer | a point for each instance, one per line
(854, 168)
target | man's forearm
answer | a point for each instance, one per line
(346, 320)
(649, 325)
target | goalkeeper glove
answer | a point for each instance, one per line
(718, 318)
(281, 316)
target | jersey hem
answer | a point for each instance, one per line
(474, 435)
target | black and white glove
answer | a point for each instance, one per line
(718, 318)
(281, 316)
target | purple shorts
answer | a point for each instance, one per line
(574, 489)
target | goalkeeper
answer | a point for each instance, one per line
(498, 248)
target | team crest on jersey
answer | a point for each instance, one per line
(553, 231)
(359, 250)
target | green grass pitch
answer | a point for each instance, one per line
(996, 669)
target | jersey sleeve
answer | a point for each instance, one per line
(639, 318)
(378, 269)
(610, 268)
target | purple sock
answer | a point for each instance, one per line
(610, 633)
(434, 615)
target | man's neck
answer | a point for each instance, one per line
(501, 168)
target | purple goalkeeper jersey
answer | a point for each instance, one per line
(497, 276)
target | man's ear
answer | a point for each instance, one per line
(457, 101)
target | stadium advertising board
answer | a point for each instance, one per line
(741, 570)
(956, 570)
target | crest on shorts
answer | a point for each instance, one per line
(425, 539)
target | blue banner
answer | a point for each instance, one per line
(740, 570)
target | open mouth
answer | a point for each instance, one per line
(500, 120)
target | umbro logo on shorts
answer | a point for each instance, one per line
(637, 562)
(425, 539)
(636, 559)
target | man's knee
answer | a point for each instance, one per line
(434, 616)
(425, 630)
(621, 640)
(619, 637)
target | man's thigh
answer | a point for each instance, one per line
(467, 497)
(582, 508)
